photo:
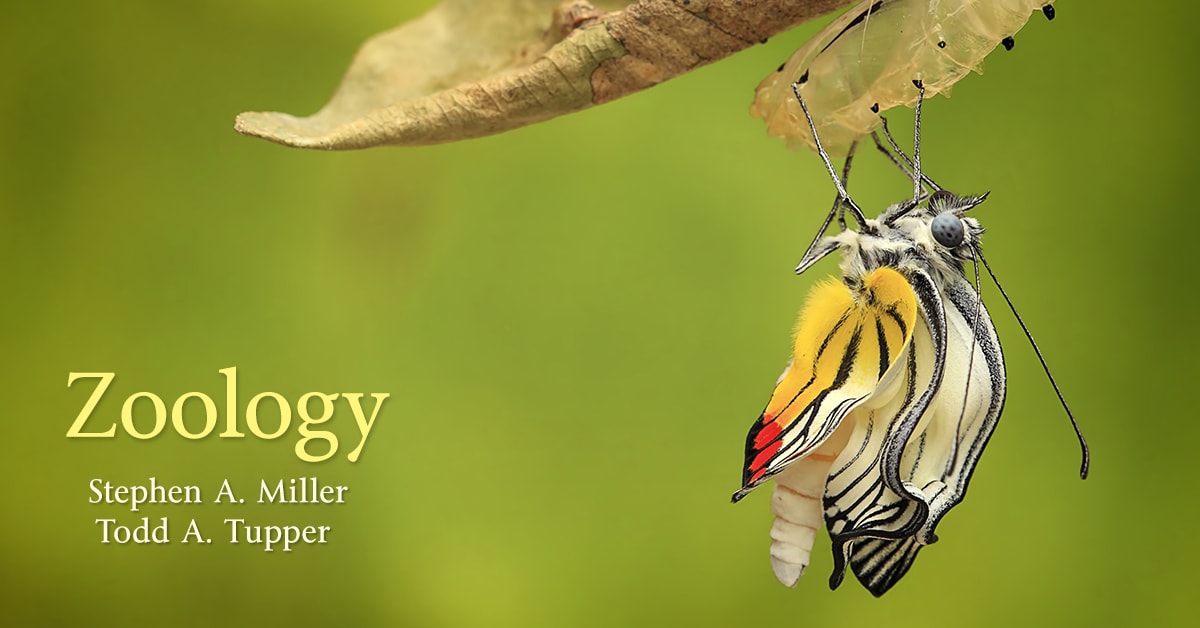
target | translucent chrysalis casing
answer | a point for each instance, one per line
(865, 61)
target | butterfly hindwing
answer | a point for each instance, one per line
(880, 563)
(963, 416)
(954, 420)
(867, 495)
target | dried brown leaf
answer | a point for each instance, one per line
(469, 68)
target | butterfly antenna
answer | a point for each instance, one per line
(896, 151)
(917, 142)
(889, 154)
(971, 360)
(837, 205)
(1087, 457)
(843, 196)
(846, 183)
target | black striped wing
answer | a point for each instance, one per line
(917, 447)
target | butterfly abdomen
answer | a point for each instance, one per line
(797, 505)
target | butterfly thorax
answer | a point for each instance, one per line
(906, 244)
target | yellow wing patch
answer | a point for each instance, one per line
(845, 343)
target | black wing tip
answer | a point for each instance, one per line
(747, 487)
(836, 578)
(880, 585)
(839, 562)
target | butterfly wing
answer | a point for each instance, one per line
(938, 456)
(867, 495)
(965, 412)
(845, 348)
(880, 563)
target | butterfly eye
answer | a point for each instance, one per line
(947, 229)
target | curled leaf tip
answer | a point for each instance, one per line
(467, 68)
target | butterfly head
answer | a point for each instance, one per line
(933, 235)
(954, 235)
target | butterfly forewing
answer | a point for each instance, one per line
(845, 344)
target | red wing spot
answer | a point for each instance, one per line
(757, 476)
(766, 418)
(766, 435)
(765, 455)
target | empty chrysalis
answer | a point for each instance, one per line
(895, 385)
(864, 63)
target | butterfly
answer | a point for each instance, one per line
(862, 63)
(896, 384)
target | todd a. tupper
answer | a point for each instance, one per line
(301, 491)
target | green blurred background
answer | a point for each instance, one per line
(577, 321)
